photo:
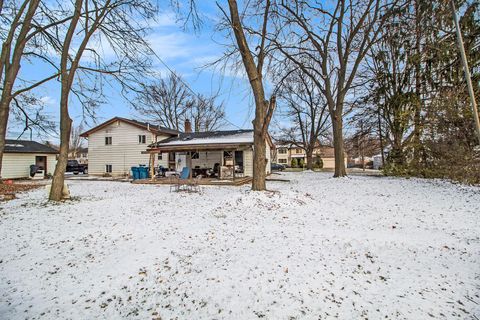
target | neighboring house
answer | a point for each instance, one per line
(231, 151)
(282, 155)
(286, 153)
(81, 155)
(117, 145)
(19, 155)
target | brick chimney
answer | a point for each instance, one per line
(188, 126)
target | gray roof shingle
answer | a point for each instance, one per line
(26, 146)
(192, 136)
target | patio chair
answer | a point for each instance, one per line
(238, 171)
(179, 182)
(194, 184)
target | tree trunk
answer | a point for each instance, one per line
(380, 136)
(4, 113)
(309, 153)
(396, 156)
(65, 130)
(418, 86)
(338, 146)
(254, 72)
(259, 159)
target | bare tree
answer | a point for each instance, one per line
(120, 22)
(24, 32)
(29, 113)
(165, 102)
(328, 41)
(206, 113)
(76, 141)
(253, 62)
(169, 102)
(13, 46)
(306, 108)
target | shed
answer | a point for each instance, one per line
(19, 155)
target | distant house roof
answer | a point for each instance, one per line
(327, 152)
(208, 139)
(136, 123)
(26, 146)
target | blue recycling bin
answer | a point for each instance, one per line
(135, 173)
(143, 172)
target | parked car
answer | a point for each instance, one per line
(277, 167)
(75, 167)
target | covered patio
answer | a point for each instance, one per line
(219, 164)
(213, 157)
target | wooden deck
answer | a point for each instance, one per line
(203, 181)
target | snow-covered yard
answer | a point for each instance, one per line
(316, 248)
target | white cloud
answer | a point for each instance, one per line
(49, 101)
(172, 45)
(165, 19)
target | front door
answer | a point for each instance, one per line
(41, 163)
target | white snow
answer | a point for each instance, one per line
(315, 248)
(243, 137)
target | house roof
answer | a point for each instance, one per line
(325, 151)
(26, 146)
(208, 139)
(136, 123)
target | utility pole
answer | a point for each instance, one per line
(467, 71)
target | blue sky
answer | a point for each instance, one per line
(185, 52)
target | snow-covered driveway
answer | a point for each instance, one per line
(316, 248)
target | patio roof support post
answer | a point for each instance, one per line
(189, 164)
(222, 161)
(152, 166)
(233, 165)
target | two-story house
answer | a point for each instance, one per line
(285, 153)
(119, 144)
(81, 155)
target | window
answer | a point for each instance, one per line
(108, 141)
(142, 139)
(195, 155)
(298, 150)
(108, 168)
(282, 160)
(159, 157)
(282, 150)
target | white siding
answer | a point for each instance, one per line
(17, 165)
(248, 162)
(281, 156)
(269, 158)
(208, 159)
(124, 152)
